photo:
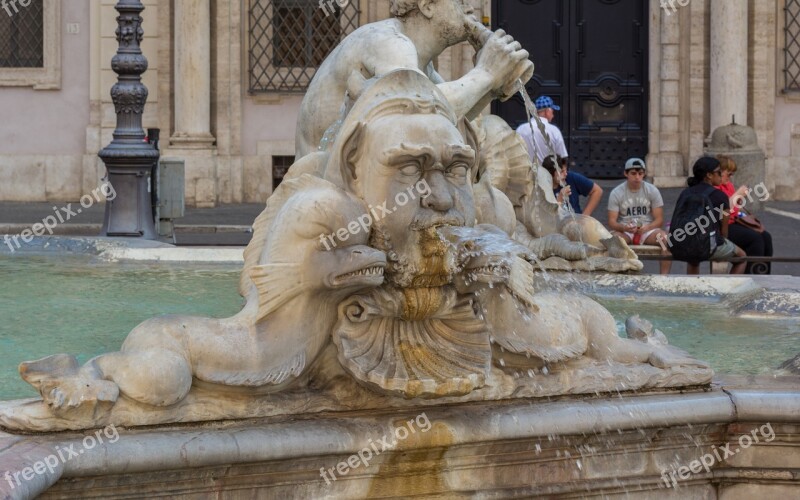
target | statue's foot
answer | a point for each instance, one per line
(617, 248)
(642, 330)
(78, 390)
(668, 357)
(50, 367)
(63, 385)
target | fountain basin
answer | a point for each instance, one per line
(97, 291)
(581, 445)
(608, 446)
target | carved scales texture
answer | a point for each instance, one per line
(273, 376)
(447, 354)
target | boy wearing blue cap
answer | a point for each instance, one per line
(545, 108)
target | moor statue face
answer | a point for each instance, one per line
(414, 170)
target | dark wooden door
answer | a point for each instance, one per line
(590, 56)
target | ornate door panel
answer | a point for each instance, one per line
(591, 58)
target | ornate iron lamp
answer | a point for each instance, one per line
(129, 160)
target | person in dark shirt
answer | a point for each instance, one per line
(708, 172)
(576, 185)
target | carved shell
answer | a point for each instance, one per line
(445, 355)
(504, 157)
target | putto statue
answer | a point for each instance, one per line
(394, 266)
(416, 34)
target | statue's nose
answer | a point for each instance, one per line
(439, 197)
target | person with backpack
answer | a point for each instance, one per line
(699, 227)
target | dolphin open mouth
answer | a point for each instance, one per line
(369, 274)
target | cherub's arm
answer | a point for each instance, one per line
(500, 62)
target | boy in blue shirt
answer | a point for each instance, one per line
(576, 186)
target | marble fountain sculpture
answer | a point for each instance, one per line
(432, 299)
(392, 271)
(431, 302)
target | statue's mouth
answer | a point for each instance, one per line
(428, 225)
(372, 274)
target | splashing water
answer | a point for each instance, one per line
(332, 131)
(531, 113)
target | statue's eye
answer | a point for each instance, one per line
(457, 171)
(312, 231)
(411, 169)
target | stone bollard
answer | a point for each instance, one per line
(741, 144)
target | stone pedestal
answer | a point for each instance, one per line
(741, 144)
(728, 60)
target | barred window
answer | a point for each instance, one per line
(289, 39)
(280, 165)
(792, 45)
(22, 35)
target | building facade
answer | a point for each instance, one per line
(226, 78)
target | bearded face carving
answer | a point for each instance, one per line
(397, 153)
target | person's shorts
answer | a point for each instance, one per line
(724, 251)
(644, 236)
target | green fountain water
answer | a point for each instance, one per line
(79, 306)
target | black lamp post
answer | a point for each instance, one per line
(129, 160)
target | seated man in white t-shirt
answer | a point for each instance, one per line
(636, 211)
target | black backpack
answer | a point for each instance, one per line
(691, 206)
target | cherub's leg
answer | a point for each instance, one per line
(156, 376)
(153, 367)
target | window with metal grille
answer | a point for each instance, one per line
(22, 35)
(289, 39)
(280, 165)
(791, 30)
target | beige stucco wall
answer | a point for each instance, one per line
(42, 132)
(49, 138)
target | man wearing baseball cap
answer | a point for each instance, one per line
(545, 108)
(636, 210)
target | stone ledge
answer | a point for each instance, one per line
(596, 445)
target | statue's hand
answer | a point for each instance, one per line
(505, 60)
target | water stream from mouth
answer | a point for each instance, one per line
(332, 131)
(531, 113)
